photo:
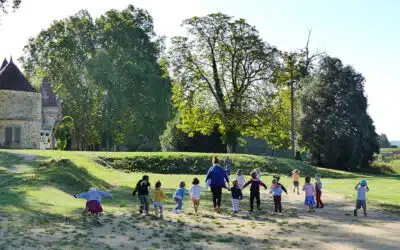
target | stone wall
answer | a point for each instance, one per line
(21, 109)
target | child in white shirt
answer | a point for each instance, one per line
(362, 189)
(194, 193)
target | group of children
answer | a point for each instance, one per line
(93, 196)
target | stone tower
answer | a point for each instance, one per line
(20, 109)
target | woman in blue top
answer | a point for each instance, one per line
(217, 177)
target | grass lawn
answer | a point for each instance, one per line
(41, 192)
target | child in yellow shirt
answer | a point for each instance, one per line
(158, 200)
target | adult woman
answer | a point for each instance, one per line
(217, 177)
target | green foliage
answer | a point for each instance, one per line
(336, 127)
(4, 5)
(106, 72)
(222, 70)
(64, 132)
(383, 141)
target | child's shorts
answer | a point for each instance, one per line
(296, 183)
(309, 200)
(158, 204)
(196, 202)
(361, 204)
(94, 206)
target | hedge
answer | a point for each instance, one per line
(181, 163)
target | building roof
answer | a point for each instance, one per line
(49, 98)
(11, 78)
(4, 64)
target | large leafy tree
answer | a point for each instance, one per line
(335, 126)
(222, 71)
(384, 141)
(5, 4)
(106, 71)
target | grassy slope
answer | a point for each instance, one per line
(48, 191)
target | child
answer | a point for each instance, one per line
(318, 190)
(93, 203)
(142, 188)
(310, 192)
(362, 189)
(296, 178)
(158, 200)
(240, 179)
(276, 191)
(236, 196)
(254, 190)
(277, 179)
(178, 197)
(194, 193)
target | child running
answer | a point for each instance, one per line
(142, 188)
(255, 190)
(236, 196)
(93, 203)
(276, 191)
(310, 193)
(277, 179)
(362, 189)
(178, 197)
(158, 200)
(194, 193)
(240, 179)
(318, 190)
(296, 183)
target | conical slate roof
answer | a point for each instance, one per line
(49, 98)
(11, 78)
(4, 64)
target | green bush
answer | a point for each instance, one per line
(197, 163)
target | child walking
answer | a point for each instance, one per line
(255, 190)
(318, 190)
(276, 191)
(362, 189)
(194, 193)
(296, 183)
(142, 188)
(178, 197)
(310, 193)
(240, 179)
(283, 187)
(236, 196)
(158, 200)
(93, 201)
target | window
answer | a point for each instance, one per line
(13, 135)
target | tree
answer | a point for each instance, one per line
(4, 5)
(335, 126)
(64, 132)
(295, 66)
(107, 73)
(222, 72)
(384, 141)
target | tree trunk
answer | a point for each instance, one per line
(293, 135)
(231, 141)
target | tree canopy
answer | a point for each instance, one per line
(384, 141)
(107, 74)
(335, 126)
(5, 4)
(222, 71)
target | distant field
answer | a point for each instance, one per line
(385, 150)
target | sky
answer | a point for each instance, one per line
(362, 33)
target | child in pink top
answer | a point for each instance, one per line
(310, 192)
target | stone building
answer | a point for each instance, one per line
(23, 117)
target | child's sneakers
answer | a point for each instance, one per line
(218, 210)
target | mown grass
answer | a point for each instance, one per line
(49, 190)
